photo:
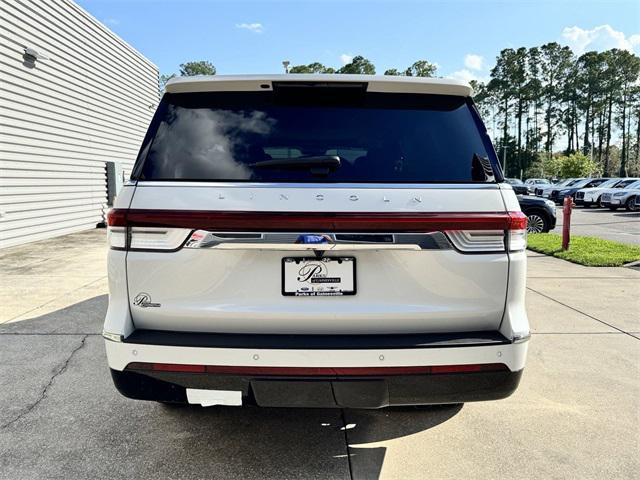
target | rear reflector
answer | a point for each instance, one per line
(318, 371)
(343, 222)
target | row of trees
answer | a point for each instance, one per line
(363, 66)
(540, 103)
(538, 97)
(189, 69)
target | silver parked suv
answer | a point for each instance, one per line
(316, 240)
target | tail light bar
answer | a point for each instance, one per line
(169, 229)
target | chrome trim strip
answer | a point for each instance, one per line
(521, 338)
(390, 186)
(113, 337)
(412, 241)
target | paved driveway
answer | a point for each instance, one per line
(621, 226)
(575, 415)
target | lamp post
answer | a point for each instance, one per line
(504, 158)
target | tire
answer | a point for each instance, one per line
(630, 204)
(537, 222)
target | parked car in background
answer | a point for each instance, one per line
(541, 213)
(558, 195)
(518, 186)
(636, 203)
(545, 190)
(625, 197)
(607, 194)
(587, 197)
(269, 251)
(532, 183)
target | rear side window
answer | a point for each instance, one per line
(625, 183)
(277, 137)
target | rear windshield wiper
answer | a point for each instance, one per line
(317, 164)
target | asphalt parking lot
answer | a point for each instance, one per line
(575, 415)
(620, 225)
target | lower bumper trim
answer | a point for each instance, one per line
(323, 391)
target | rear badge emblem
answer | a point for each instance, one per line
(313, 239)
(144, 300)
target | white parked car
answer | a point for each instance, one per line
(533, 183)
(622, 198)
(588, 197)
(605, 196)
(545, 190)
(316, 240)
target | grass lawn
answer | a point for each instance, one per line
(589, 251)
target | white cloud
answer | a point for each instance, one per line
(473, 61)
(598, 38)
(252, 27)
(346, 58)
(111, 21)
(466, 75)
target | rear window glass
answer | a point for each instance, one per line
(276, 137)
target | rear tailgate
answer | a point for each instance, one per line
(422, 285)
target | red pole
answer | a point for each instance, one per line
(567, 206)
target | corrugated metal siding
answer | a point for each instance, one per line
(89, 103)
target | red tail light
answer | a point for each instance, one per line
(344, 222)
(517, 235)
(167, 230)
(117, 217)
(517, 221)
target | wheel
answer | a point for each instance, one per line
(537, 223)
(630, 205)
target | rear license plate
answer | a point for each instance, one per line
(318, 277)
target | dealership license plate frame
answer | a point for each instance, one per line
(322, 260)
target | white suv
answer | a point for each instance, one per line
(316, 240)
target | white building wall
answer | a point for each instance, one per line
(90, 102)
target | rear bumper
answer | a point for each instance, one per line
(373, 353)
(323, 391)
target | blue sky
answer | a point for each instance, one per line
(462, 37)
